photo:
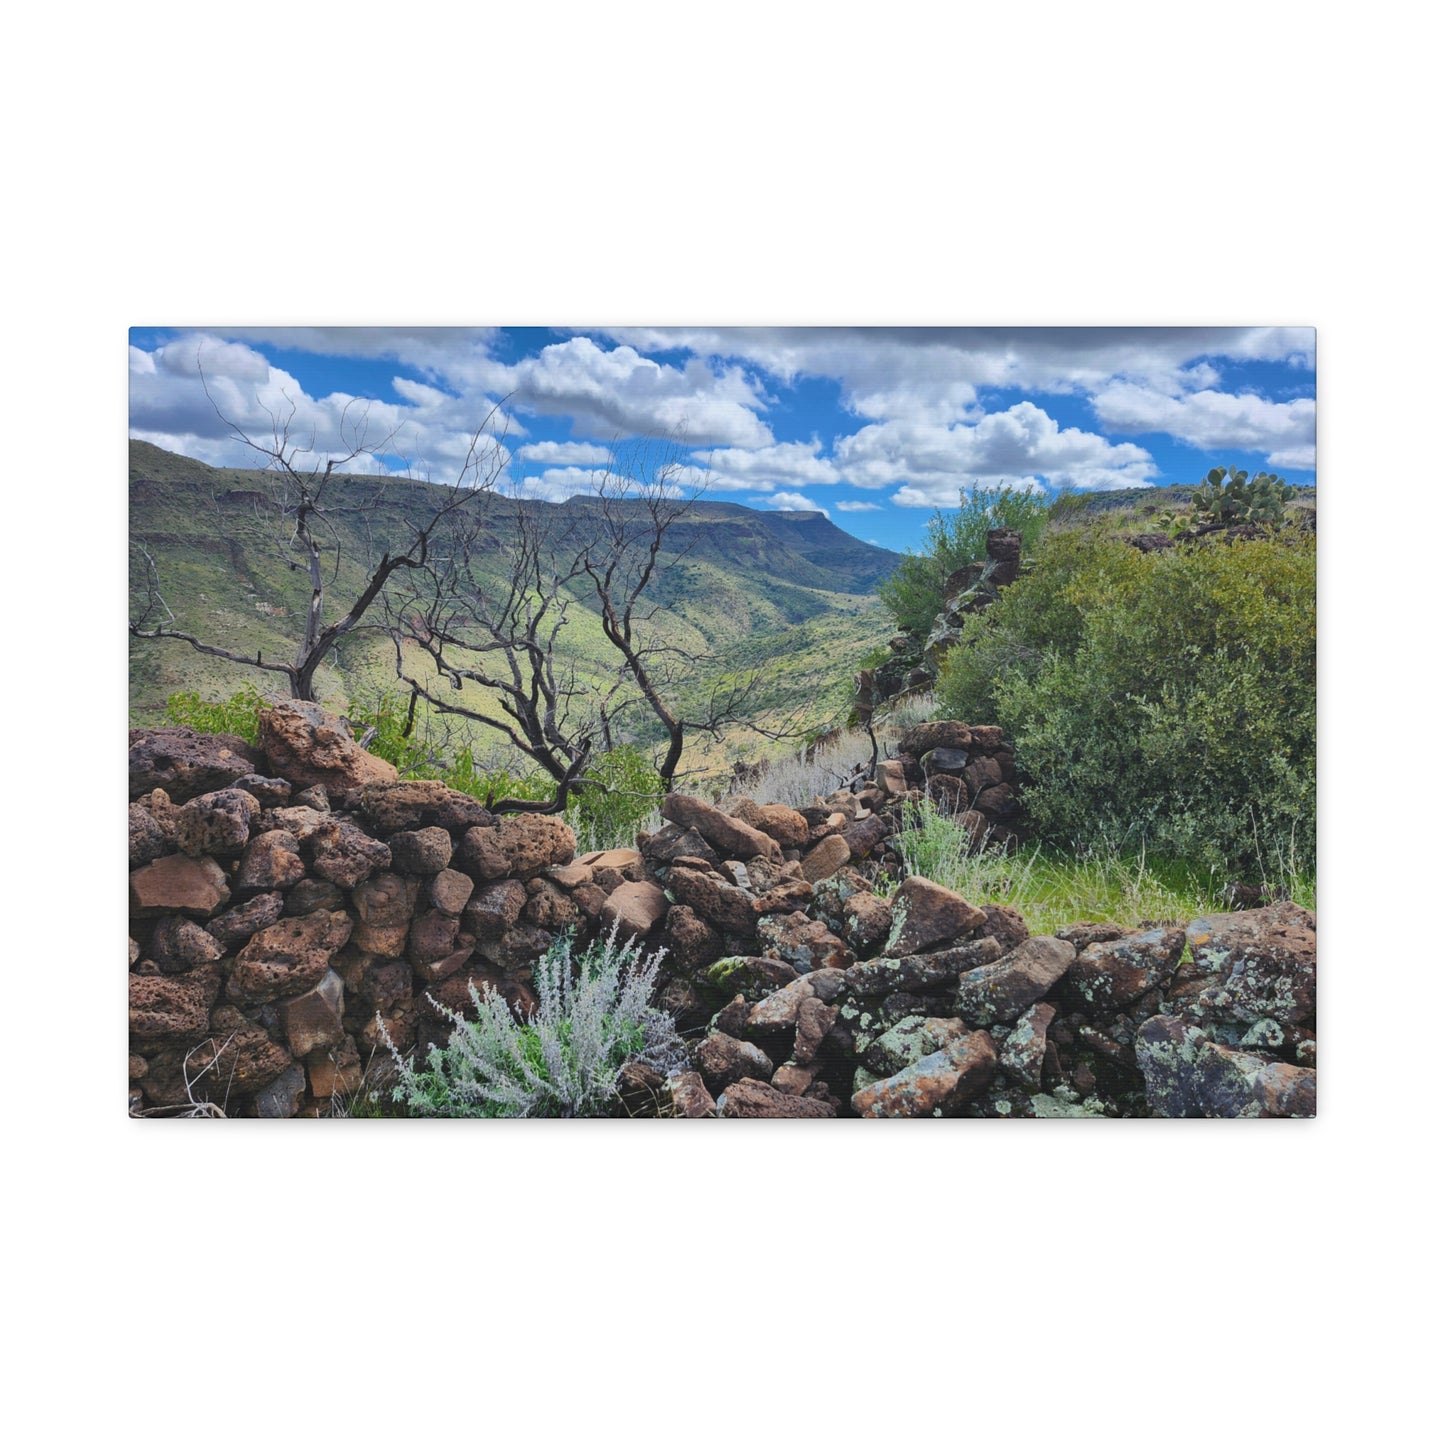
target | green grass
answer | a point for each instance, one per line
(1053, 889)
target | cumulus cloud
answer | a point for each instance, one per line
(935, 373)
(734, 469)
(428, 431)
(790, 502)
(1216, 421)
(564, 453)
(1023, 445)
(858, 507)
(556, 484)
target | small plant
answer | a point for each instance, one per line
(239, 714)
(593, 1017)
(1240, 499)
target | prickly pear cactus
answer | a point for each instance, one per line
(1231, 496)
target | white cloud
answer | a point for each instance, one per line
(735, 469)
(556, 484)
(1216, 421)
(1021, 445)
(790, 502)
(431, 429)
(858, 507)
(564, 453)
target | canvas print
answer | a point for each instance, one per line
(700, 722)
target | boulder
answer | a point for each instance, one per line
(724, 905)
(690, 1098)
(801, 941)
(924, 737)
(450, 890)
(1021, 1056)
(417, 803)
(420, 850)
(385, 898)
(148, 840)
(173, 1009)
(238, 1060)
(281, 1098)
(938, 1085)
(480, 855)
(532, 842)
(889, 777)
(1189, 1076)
(234, 927)
(691, 944)
(1257, 964)
(1005, 924)
(867, 922)
(494, 908)
(289, 957)
(780, 1010)
(919, 971)
(754, 1099)
(179, 884)
(723, 1060)
(635, 908)
(1105, 978)
(306, 744)
(271, 863)
(344, 855)
(730, 836)
(863, 835)
(815, 1021)
(269, 792)
(826, 857)
(909, 1042)
(932, 915)
(217, 824)
(999, 992)
(549, 907)
(754, 978)
(313, 1021)
(784, 825)
(178, 944)
(187, 763)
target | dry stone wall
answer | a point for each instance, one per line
(295, 905)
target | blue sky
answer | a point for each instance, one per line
(875, 426)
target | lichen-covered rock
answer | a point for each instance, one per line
(1189, 1076)
(754, 1099)
(815, 1022)
(531, 843)
(175, 1008)
(999, 992)
(289, 957)
(217, 824)
(909, 1041)
(420, 850)
(939, 1084)
(1021, 1056)
(232, 928)
(754, 978)
(933, 916)
(787, 895)
(919, 971)
(1005, 924)
(723, 1060)
(271, 863)
(635, 908)
(802, 941)
(780, 1009)
(1250, 966)
(344, 855)
(1105, 978)
(179, 884)
(179, 943)
(306, 744)
(1081, 935)
(187, 763)
(731, 837)
(867, 922)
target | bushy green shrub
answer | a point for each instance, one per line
(1164, 700)
(1231, 496)
(593, 1017)
(913, 594)
(239, 714)
(624, 790)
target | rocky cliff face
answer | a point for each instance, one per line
(295, 905)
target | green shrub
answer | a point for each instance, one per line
(239, 714)
(624, 792)
(913, 594)
(1163, 700)
(593, 1018)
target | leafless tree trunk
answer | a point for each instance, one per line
(311, 541)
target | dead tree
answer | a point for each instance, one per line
(489, 613)
(631, 521)
(310, 542)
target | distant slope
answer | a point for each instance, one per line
(787, 592)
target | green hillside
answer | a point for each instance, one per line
(787, 596)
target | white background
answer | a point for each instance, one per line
(1103, 163)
